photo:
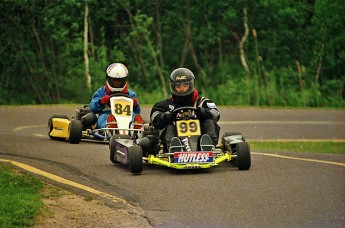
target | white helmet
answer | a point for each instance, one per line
(117, 75)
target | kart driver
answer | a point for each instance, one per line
(184, 94)
(116, 82)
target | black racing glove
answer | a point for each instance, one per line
(167, 117)
(203, 113)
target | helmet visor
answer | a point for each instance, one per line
(182, 88)
(117, 82)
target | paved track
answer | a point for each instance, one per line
(280, 189)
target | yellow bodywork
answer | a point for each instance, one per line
(60, 128)
(151, 159)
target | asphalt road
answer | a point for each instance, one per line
(280, 189)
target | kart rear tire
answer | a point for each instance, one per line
(75, 131)
(50, 125)
(135, 157)
(112, 146)
(243, 156)
(88, 120)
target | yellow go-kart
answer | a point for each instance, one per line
(192, 150)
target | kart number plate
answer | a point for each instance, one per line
(188, 127)
(122, 107)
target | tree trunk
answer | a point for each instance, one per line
(319, 63)
(86, 57)
(242, 53)
(154, 56)
(188, 46)
(139, 59)
(159, 34)
(220, 56)
(243, 40)
(161, 76)
(92, 40)
(34, 81)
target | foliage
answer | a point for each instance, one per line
(295, 49)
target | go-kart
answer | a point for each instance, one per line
(122, 139)
(191, 150)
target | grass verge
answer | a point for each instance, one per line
(20, 200)
(327, 147)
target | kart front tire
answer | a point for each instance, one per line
(243, 156)
(75, 131)
(135, 157)
(51, 127)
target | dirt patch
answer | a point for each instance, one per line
(65, 209)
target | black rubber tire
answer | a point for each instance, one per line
(88, 120)
(75, 131)
(243, 156)
(135, 157)
(50, 125)
(112, 146)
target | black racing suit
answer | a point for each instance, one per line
(208, 119)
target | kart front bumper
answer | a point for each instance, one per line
(151, 159)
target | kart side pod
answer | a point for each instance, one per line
(60, 127)
(230, 139)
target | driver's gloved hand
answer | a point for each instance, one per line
(203, 113)
(104, 100)
(167, 117)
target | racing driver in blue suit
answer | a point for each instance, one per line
(116, 82)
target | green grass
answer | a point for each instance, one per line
(328, 147)
(20, 198)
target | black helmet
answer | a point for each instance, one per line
(181, 82)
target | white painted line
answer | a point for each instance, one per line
(17, 129)
(281, 122)
(301, 159)
(295, 140)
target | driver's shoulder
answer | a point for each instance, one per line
(162, 105)
(131, 93)
(201, 101)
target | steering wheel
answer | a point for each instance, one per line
(184, 109)
(120, 95)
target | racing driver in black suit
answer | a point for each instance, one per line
(184, 94)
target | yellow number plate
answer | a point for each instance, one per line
(188, 127)
(122, 108)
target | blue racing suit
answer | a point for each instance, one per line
(104, 110)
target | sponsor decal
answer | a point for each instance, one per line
(211, 105)
(193, 157)
(186, 144)
(182, 77)
(192, 167)
(189, 113)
